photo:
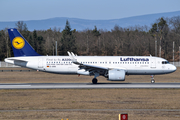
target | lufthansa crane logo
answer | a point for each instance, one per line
(18, 42)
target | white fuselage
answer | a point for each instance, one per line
(133, 65)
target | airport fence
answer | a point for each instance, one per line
(4, 64)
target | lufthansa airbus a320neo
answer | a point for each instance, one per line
(114, 68)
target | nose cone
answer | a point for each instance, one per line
(173, 68)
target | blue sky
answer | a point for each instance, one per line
(14, 10)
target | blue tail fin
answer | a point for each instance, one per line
(19, 44)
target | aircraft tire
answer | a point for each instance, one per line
(152, 81)
(94, 80)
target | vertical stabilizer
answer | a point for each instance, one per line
(19, 44)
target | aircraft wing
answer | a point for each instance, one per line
(87, 67)
(92, 68)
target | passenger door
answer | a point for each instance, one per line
(40, 62)
(153, 63)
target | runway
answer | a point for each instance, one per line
(88, 85)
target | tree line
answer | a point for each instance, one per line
(132, 41)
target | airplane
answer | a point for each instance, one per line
(114, 68)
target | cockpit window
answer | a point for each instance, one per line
(165, 62)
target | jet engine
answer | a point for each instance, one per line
(83, 72)
(116, 75)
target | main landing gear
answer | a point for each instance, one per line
(152, 79)
(94, 80)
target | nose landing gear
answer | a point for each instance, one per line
(152, 79)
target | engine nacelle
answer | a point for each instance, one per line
(83, 72)
(116, 75)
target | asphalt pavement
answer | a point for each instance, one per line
(88, 85)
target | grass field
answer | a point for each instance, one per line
(87, 104)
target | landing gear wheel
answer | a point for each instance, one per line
(94, 80)
(152, 79)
